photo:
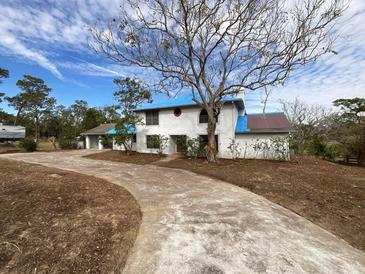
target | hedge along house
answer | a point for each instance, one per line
(94, 137)
(254, 135)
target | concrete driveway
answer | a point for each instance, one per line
(194, 224)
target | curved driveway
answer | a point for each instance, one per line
(194, 224)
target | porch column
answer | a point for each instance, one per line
(100, 143)
(87, 142)
(114, 144)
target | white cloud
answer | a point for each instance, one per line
(90, 69)
(39, 30)
(17, 47)
(333, 76)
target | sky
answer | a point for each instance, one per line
(49, 39)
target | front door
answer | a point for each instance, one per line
(180, 141)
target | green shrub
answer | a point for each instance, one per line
(67, 143)
(235, 149)
(317, 146)
(334, 151)
(28, 145)
(195, 147)
(106, 141)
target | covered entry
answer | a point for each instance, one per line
(95, 137)
(179, 141)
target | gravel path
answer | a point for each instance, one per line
(195, 224)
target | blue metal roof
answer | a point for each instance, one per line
(242, 126)
(131, 130)
(179, 102)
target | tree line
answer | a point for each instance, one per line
(316, 130)
(36, 109)
(328, 133)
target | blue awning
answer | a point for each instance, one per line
(242, 125)
(131, 130)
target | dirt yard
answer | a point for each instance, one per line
(121, 156)
(43, 146)
(328, 194)
(53, 221)
(8, 148)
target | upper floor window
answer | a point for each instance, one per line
(152, 117)
(177, 112)
(203, 117)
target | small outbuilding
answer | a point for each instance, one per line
(11, 133)
(94, 137)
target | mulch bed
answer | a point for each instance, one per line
(328, 194)
(54, 221)
(122, 156)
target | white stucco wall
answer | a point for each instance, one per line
(188, 124)
(247, 142)
(121, 147)
(100, 143)
(91, 141)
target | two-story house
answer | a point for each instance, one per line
(255, 135)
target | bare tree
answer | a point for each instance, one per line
(299, 112)
(307, 121)
(218, 47)
(265, 99)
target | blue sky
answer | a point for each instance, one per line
(49, 39)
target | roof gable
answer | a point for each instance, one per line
(99, 130)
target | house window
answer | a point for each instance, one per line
(153, 141)
(152, 117)
(177, 112)
(203, 117)
(134, 138)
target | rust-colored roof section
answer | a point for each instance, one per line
(270, 122)
(99, 130)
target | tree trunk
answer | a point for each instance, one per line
(211, 148)
(362, 145)
(36, 129)
(17, 116)
(127, 148)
